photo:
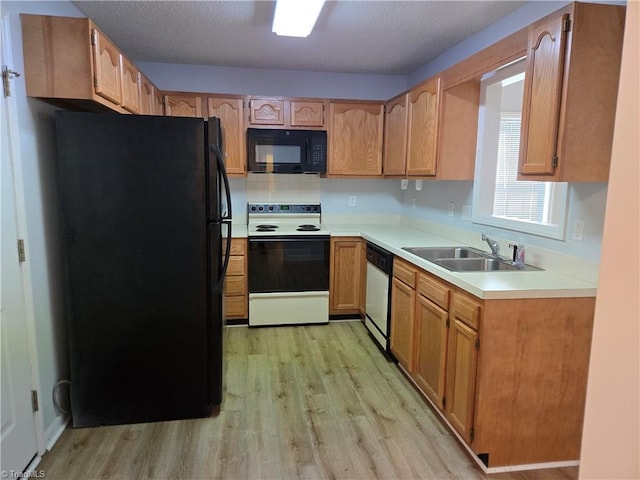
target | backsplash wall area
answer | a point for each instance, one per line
(383, 200)
(372, 201)
(586, 202)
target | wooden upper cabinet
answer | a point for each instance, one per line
(130, 85)
(542, 92)
(266, 111)
(286, 112)
(423, 128)
(458, 131)
(69, 62)
(571, 85)
(107, 67)
(307, 113)
(182, 105)
(395, 136)
(150, 97)
(230, 111)
(355, 138)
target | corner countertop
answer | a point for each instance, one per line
(485, 285)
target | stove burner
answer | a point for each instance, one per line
(267, 226)
(307, 228)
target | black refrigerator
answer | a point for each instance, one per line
(146, 218)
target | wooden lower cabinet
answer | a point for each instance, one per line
(403, 308)
(462, 358)
(345, 290)
(431, 348)
(236, 306)
(509, 376)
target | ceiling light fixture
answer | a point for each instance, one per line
(296, 18)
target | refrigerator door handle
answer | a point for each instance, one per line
(225, 264)
(223, 173)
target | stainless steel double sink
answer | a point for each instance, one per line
(466, 259)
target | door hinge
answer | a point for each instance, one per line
(566, 25)
(444, 402)
(477, 344)
(554, 161)
(472, 434)
(7, 75)
(94, 37)
(95, 82)
(22, 256)
(448, 323)
(34, 401)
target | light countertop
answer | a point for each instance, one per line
(486, 285)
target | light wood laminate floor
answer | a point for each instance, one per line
(310, 402)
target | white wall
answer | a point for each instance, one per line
(43, 249)
(611, 436)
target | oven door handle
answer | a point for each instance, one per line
(288, 238)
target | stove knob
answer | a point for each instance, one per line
(308, 209)
(253, 208)
(260, 208)
(271, 207)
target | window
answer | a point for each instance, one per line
(499, 198)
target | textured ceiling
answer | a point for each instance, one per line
(376, 37)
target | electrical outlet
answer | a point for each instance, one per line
(452, 207)
(578, 230)
(466, 212)
(352, 200)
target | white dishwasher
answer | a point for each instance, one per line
(378, 293)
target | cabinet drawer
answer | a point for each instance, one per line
(234, 286)
(238, 246)
(466, 309)
(405, 272)
(434, 290)
(236, 266)
(235, 307)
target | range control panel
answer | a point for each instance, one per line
(283, 208)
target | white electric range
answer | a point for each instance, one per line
(288, 264)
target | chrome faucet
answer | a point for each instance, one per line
(493, 245)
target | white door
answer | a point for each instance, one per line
(18, 433)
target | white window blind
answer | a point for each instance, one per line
(518, 200)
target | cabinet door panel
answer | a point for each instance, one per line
(183, 106)
(266, 112)
(462, 359)
(355, 139)
(423, 129)
(395, 136)
(230, 112)
(402, 323)
(344, 293)
(431, 349)
(542, 96)
(147, 96)
(106, 66)
(307, 114)
(130, 86)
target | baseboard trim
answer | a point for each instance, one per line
(55, 430)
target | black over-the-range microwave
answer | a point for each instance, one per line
(286, 151)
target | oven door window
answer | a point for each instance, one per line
(288, 264)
